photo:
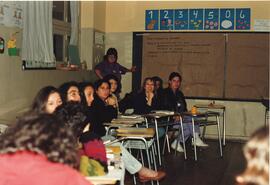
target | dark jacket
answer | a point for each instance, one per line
(100, 113)
(141, 106)
(173, 101)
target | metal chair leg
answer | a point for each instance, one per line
(219, 136)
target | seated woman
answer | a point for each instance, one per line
(158, 86)
(46, 100)
(39, 149)
(70, 92)
(132, 165)
(146, 100)
(115, 86)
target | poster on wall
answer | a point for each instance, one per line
(196, 19)
(211, 19)
(151, 19)
(243, 19)
(166, 20)
(226, 19)
(181, 19)
(11, 14)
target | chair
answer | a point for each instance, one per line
(140, 139)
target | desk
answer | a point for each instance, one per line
(122, 121)
(216, 107)
(203, 115)
(141, 134)
(155, 116)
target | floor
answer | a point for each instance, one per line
(210, 169)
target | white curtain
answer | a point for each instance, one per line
(37, 43)
(74, 12)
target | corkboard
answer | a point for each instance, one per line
(248, 66)
(198, 57)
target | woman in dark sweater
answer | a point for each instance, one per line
(146, 100)
(103, 107)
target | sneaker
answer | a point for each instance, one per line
(178, 147)
(199, 142)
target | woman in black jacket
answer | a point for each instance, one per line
(146, 101)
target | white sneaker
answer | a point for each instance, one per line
(178, 147)
(199, 142)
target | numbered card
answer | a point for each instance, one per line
(211, 18)
(181, 19)
(243, 19)
(151, 19)
(227, 19)
(196, 19)
(166, 20)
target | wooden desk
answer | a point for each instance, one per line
(216, 107)
(136, 132)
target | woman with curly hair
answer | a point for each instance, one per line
(39, 149)
(256, 152)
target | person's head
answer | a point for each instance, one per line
(175, 80)
(114, 82)
(158, 82)
(256, 152)
(111, 55)
(70, 91)
(148, 85)
(43, 134)
(46, 100)
(87, 93)
(73, 115)
(102, 89)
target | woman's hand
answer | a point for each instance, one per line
(111, 101)
(149, 97)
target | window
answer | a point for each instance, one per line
(61, 29)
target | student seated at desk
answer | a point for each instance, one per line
(46, 100)
(158, 86)
(147, 101)
(100, 111)
(174, 100)
(39, 149)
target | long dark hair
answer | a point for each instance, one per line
(40, 100)
(82, 86)
(44, 134)
(73, 114)
(113, 77)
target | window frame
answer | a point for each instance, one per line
(63, 27)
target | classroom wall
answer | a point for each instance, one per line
(123, 18)
(18, 87)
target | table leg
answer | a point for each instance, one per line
(158, 145)
(219, 136)
(224, 127)
(194, 139)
